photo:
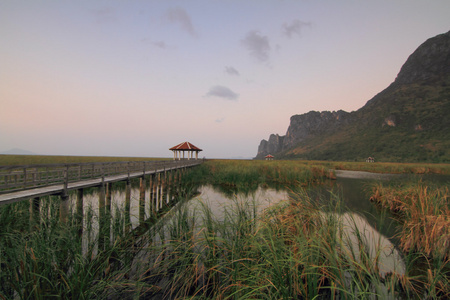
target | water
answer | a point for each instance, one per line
(358, 214)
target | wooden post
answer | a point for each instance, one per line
(108, 198)
(101, 219)
(127, 205)
(79, 206)
(64, 208)
(79, 211)
(142, 199)
(107, 215)
(160, 184)
(101, 200)
(163, 189)
(34, 211)
(152, 194)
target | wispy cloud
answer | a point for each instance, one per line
(258, 45)
(231, 71)
(294, 27)
(180, 16)
(222, 92)
(159, 44)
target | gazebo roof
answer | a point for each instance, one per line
(269, 156)
(185, 146)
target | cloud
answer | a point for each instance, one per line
(231, 71)
(222, 92)
(257, 45)
(294, 27)
(179, 16)
(220, 120)
(159, 44)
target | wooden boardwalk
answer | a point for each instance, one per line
(19, 183)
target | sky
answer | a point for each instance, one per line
(134, 78)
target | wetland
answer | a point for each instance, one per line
(238, 229)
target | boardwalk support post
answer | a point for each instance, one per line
(142, 200)
(34, 211)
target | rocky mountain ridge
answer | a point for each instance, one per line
(411, 113)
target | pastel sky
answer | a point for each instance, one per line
(134, 78)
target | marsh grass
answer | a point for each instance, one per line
(50, 259)
(300, 248)
(246, 174)
(398, 168)
(424, 210)
(292, 250)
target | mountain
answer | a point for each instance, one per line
(409, 121)
(17, 151)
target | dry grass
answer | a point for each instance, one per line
(425, 214)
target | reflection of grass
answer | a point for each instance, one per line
(425, 212)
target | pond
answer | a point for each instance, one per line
(151, 239)
(357, 213)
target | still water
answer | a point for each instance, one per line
(358, 215)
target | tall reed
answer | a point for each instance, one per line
(425, 212)
(292, 250)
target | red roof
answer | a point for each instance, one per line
(269, 156)
(186, 146)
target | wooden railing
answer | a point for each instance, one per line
(15, 178)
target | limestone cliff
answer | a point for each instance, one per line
(408, 121)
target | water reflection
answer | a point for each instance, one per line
(358, 216)
(219, 201)
(361, 222)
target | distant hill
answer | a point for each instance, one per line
(409, 121)
(17, 151)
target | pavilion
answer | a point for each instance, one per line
(269, 157)
(183, 147)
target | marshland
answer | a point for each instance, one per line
(241, 230)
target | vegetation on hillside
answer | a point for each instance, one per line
(421, 132)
